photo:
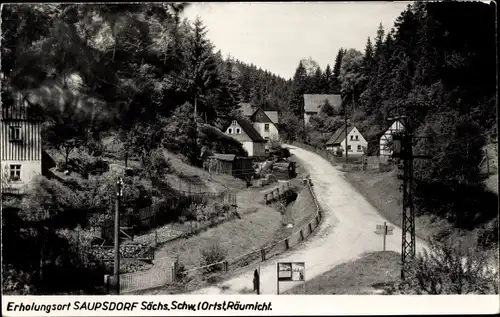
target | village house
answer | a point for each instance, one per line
(243, 131)
(20, 144)
(314, 102)
(265, 122)
(356, 143)
(386, 138)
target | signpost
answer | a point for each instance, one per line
(384, 230)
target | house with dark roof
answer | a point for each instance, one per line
(244, 131)
(314, 102)
(356, 143)
(265, 122)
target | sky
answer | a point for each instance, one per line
(276, 36)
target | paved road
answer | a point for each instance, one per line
(346, 231)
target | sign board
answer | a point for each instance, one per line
(291, 271)
(390, 230)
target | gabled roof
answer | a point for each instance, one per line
(250, 130)
(314, 102)
(339, 135)
(273, 115)
(247, 109)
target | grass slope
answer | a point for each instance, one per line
(381, 189)
(363, 276)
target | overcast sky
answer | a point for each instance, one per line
(276, 36)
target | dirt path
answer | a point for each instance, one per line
(346, 231)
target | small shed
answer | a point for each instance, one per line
(231, 164)
(284, 169)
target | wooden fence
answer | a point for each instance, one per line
(164, 275)
(162, 212)
(276, 193)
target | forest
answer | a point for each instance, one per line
(439, 71)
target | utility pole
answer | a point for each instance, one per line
(116, 269)
(403, 149)
(345, 123)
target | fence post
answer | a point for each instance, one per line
(226, 266)
(106, 282)
(156, 238)
(301, 234)
(317, 220)
(174, 271)
(310, 228)
(263, 254)
(287, 245)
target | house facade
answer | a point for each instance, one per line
(356, 143)
(20, 144)
(264, 125)
(314, 102)
(243, 131)
(265, 122)
(386, 138)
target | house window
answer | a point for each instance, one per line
(359, 148)
(349, 148)
(266, 127)
(356, 138)
(351, 137)
(15, 133)
(238, 131)
(234, 122)
(267, 138)
(15, 172)
(229, 130)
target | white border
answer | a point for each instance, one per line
(280, 304)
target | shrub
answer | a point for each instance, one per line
(213, 254)
(180, 272)
(450, 269)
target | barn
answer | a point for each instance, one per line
(230, 164)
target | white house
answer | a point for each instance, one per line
(20, 144)
(314, 102)
(386, 138)
(243, 131)
(265, 122)
(356, 143)
(264, 125)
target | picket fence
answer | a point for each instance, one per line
(158, 277)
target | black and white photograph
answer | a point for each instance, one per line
(172, 148)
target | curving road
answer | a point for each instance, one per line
(346, 232)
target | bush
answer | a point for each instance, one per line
(180, 272)
(213, 254)
(450, 269)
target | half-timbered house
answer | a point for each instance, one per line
(20, 143)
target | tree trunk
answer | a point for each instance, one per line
(66, 157)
